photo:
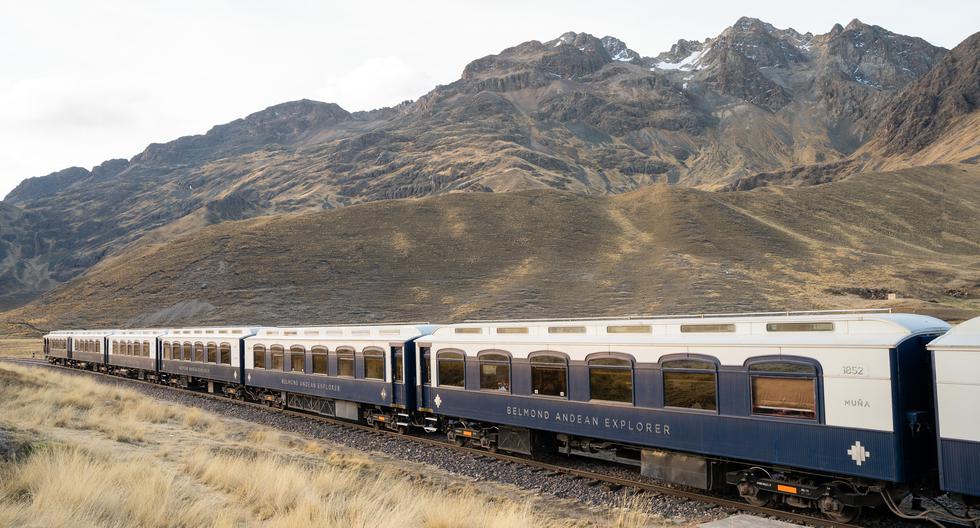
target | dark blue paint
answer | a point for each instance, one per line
(350, 389)
(209, 371)
(960, 466)
(800, 444)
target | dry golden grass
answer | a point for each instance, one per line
(20, 347)
(104, 456)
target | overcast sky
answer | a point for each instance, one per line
(85, 81)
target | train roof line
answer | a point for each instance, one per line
(630, 317)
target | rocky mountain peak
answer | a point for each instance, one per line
(618, 51)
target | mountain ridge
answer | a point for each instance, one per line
(754, 106)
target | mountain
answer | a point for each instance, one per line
(754, 105)
(935, 117)
(660, 249)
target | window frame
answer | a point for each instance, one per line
(295, 350)
(272, 358)
(211, 349)
(397, 363)
(595, 356)
(549, 353)
(346, 353)
(509, 362)
(375, 353)
(440, 359)
(222, 348)
(264, 356)
(425, 360)
(200, 353)
(316, 351)
(817, 377)
(665, 360)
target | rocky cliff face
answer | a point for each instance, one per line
(576, 113)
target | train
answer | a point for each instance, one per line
(835, 411)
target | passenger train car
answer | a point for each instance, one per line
(956, 360)
(826, 410)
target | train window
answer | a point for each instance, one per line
(690, 384)
(345, 362)
(611, 379)
(706, 328)
(374, 364)
(495, 372)
(146, 349)
(784, 389)
(512, 330)
(199, 352)
(319, 360)
(397, 366)
(166, 350)
(212, 349)
(258, 356)
(800, 327)
(225, 352)
(129, 348)
(566, 329)
(187, 352)
(628, 329)
(549, 375)
(297, 358)
(452, 369)
(426, 365)
(276, 351)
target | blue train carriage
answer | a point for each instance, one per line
(135, 353)
(57, 347)
(956, 360)
(350, 372)
(209, 359)
(88, 349)
(699, 401)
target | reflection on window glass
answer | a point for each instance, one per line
(345, 363)
(426, 365)
(549, 376)
(319, 360)
(212, 353)
(297, 359)
(398, 365)
(495, 372)
(611, 379)
(258, 354)
(225, 353)
(690, 384)
(374, 364)
(276, 352)
(452, 369)
(784, 389)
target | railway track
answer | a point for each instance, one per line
(611, 482)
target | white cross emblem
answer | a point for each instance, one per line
(438, 401)
(384, 393)
(249, 376)
(858, 453)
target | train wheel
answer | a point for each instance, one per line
(402, 429)
(752, 495)
(836, 511)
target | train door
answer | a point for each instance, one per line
(397, 359)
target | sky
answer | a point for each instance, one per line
(83, 82)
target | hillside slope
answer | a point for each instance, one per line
(577, 113)
(662, 249)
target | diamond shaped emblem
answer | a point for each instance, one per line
(858, 453)
(384, 393)
(438, 401)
